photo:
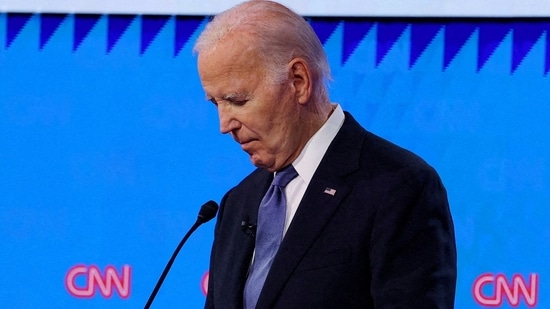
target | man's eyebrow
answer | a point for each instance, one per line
(235, 96)
(228, 97)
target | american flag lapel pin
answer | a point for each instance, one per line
(330, 191)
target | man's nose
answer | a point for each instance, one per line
(228, 122)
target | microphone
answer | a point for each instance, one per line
(206, 213)
(247, 227)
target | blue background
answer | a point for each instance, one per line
(108, 147)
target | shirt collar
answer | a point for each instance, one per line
(309, 159)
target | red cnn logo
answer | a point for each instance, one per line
(94, 278)
(502, 288)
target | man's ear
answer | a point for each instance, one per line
(300, 76)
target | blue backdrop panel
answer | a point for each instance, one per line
(108, 147)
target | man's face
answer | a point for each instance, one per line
(261, 116)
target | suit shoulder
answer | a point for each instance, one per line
(378, 149)
(371, 155)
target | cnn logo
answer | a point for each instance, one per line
(84, 282)
(491, 290)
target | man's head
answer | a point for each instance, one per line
(265, 69)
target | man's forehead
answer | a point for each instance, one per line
(228, 83)
(230, 57)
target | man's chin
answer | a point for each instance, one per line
(258, 162)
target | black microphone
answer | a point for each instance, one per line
(247, 227)
(206, 213)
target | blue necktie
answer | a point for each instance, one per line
(271, 221)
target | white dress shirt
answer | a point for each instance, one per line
(307, 162)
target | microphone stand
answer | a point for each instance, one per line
(207, 212)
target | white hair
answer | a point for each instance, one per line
(279, 35)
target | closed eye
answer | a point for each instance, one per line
(230, 99)
(237, 102)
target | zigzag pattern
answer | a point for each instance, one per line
(491, 32)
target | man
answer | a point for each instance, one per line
(366, 225)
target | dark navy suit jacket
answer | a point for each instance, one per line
(383, 239)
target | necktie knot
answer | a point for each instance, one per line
(284, 176)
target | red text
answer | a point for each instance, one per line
(94, 281)
(490, 290)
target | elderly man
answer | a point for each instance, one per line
(334, 216)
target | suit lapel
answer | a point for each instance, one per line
(324, 194)
(235, 247)
(250, 214)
